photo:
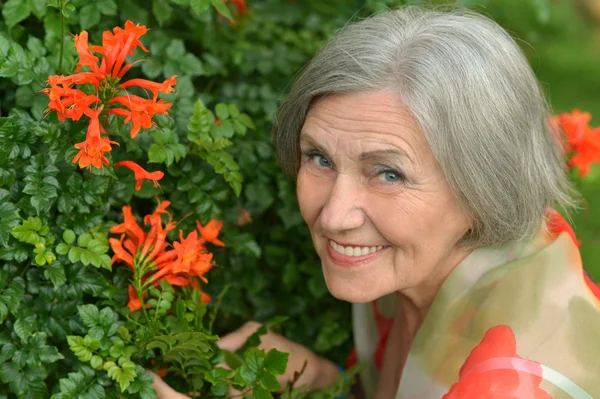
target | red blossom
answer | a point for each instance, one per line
(71, 102)
(141, 174)
(181, 263)
(582, 141)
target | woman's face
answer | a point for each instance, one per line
(381, 214)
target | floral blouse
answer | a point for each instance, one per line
(515, 321)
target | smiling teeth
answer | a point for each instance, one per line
(353, 251)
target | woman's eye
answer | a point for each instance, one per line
(317, 159)
(321, 161)
(391, 176)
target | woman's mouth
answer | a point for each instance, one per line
(349, 255)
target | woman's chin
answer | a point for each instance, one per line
(345, 291)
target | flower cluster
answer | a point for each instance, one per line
(72, 97)
(152, 258)
(583, 141)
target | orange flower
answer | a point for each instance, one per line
(583, 142)
(72, 103)
(120, 253)
(182, 265)
(93, 148)
(210, 232)
(116, 46)
(86, 58)
(140, 112)
(130, 227)
(154, 87)
(141, 174)
(135, 303)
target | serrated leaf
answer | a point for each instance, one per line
(269, 382)
(55, 271)
(9, 218)
(24, 327)
(90, 315)
(79, 349)
(261, 393)
(276, 362)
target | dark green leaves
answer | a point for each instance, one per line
(41, 183)
(9, 216)
(260, 370)
(12, 290)
(92, 12)
(80, 384)
(14, 11)
(166, 148)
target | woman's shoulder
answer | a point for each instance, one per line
(528, 327)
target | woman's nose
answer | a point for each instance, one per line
(343, 210)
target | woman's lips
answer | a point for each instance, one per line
(348, 260)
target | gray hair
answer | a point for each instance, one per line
(471, 90)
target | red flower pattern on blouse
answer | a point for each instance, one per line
(480, 379)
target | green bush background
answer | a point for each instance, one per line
(269, 264)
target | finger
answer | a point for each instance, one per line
(163, 391)
(232, 342)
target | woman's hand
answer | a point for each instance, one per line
(163, 391)
(319, 372)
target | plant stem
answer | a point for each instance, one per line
(62, 36)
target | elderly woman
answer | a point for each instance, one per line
(425, 171)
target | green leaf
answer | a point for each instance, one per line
(9, 218)
(81, 384)
(62, 249)
(4, 48)
(78, 347)
(89, 16)
(107, 7)
(96, 362)
(90, 315)
(69, 236)
(220, 6)
(124, 373)
(56, 273)
(199, 7)
(75, 254)
(269, 382)
(38, 7)
(162, 11)
(222, 111)
(24, 327)
(261, 393)
(142, 385)
(276, 362)
(247, 121)
(84, 239)
(233, 110)
(10, 297)
(15, 11)
(166, 148)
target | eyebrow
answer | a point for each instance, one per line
(376, 155)
(383, 154)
